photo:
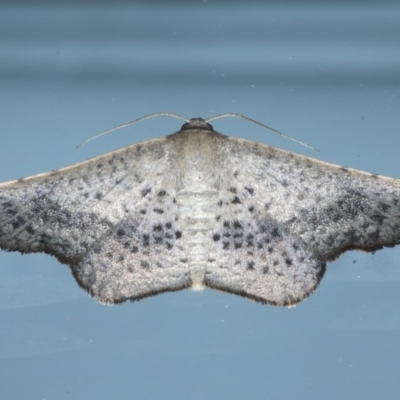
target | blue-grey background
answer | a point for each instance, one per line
(325, 72)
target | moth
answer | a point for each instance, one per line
(199, 209)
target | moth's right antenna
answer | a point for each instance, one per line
(264, 126)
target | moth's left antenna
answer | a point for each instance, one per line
(131, 123)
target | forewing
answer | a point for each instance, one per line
(112, 219)
(283, 216)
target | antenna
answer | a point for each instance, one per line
(131, 123)
(262, 125)
(166, 114)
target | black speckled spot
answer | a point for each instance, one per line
(11, 213)
(289, 262)
(30, 229)
(225, 245)
(157, 228)
(178, 234)
(250, 266)
(219, 203)
(121, 232)
(161, 193)
(143, 212)
(251, 209)
(158, 239)
(216, 237)
(144, 264)
(145, 192)
(233, 190)
(236, 200)
(384, 207)
(249, 189)
(158, 210)
(146, 240)
(18, 222)
(237, 225)
(169, 245)
(275, 233)
(250, 240)
(378, 218)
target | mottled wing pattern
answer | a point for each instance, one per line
(199, 208)
(282, 216)
(112, 219)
